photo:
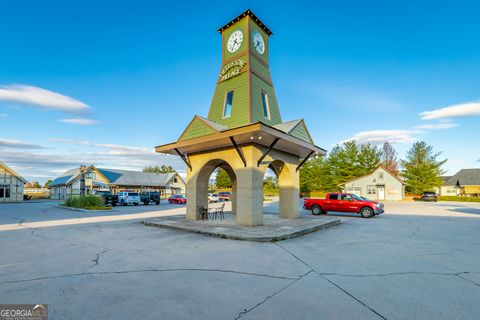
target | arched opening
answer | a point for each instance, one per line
(279, 182)
(204, 184)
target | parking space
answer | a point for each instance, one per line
(417, 261)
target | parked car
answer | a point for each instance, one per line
(224, 196)
(178, 199)
(213, 197)
(429, 196)
(344, 202)
(150, 197)
(107, 197)
(126, 198)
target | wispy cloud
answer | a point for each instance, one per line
(437, 126)
(381, 136)
(16, 144)
(42, 98)
(459, 110)
(3, 115)
(80, 121)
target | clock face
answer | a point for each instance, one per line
(258, 42)
(235, 41)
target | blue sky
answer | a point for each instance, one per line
(103, 82)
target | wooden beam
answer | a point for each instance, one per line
(304, 160)
(239, 151)
(184, 158)
(270, 147)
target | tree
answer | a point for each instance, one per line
(222, 179)
(157, 169)
(37, 185)
(389, 158)
(47, 184)
(270, 183)
(422, 170)
(345, 162)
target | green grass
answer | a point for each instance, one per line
(461, 199)
(86, 202)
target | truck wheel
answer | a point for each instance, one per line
(146, 203)
(114, 204)
(366, 212)
(316, 210)
(157, 203)
(135, 204)
(123, 203)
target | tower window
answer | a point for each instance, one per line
(266, 106)
(227, 108)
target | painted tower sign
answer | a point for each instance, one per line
(243, 132)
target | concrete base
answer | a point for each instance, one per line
(273, 229)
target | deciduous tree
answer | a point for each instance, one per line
(157, 169)
(389, 158)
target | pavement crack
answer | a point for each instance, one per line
(272, 295)
(86, 273)
(293, 255)
(392, 274)
(352, 296)
(96, 261)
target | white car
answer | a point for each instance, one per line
(213, 197)
(126, 198)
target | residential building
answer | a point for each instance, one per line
(465, 182)
(11, 184)
(91, 178)
(380, 185)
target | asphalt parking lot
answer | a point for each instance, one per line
(417, 261)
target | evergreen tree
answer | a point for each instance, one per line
(47, 184)
(222, 179)
(422, 170)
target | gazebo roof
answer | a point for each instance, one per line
(258, 133)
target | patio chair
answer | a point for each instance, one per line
(202, 212)
(219, 211)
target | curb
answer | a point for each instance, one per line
(246, 238)
(81, 210)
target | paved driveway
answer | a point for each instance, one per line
(418, 261)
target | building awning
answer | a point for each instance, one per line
(258, 133)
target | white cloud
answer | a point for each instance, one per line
(16, 144)
(459, 110)
(42, 98)
(80, 121)
(381, 136)
(437, 126)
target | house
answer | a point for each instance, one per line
(381, 184)
(93, 178)
(465, 182)
(11, 184)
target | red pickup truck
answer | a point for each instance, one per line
(344, 202)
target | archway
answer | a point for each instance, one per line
(288, 193)
(198, 192)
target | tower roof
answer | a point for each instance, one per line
(248, 12)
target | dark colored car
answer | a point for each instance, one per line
(107, 197)
(224, 196)
(150, 197)
(178, 199)
(429, 196)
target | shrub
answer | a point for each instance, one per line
(86, 202)
(456, 198)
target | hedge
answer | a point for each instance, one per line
(86, 202)
(455, 198)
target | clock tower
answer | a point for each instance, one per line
(244, 92)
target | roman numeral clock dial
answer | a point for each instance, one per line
(235, 41)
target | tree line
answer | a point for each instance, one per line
(420, 169)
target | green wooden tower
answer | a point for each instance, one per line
(244, 93)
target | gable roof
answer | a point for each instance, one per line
(465, 177)
(297, 129)
(136, 178)
(13, 172)
(66, 177)
(378, 167)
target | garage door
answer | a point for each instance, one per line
(355, 190)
